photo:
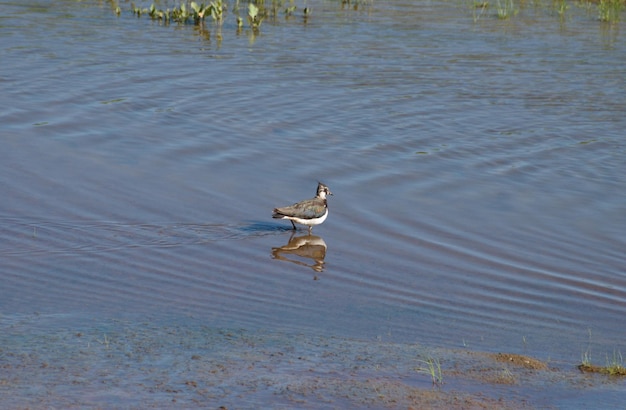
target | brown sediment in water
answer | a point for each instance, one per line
(125, 364)
(499, 368)
(519, 360)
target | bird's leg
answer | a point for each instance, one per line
(293, 224)
(310, 229)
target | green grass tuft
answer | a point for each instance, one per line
(433, 369)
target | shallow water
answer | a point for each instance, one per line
(478, 172)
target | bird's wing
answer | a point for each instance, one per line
(311, 208)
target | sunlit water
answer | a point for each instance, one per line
(478, 172)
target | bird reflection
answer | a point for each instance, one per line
(305, 247)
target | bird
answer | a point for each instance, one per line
(309, 212)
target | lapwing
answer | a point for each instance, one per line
(309, 212)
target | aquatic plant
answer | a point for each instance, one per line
(355, 3)
(289, 10)
(478, 5)
(615, 365)
(196, 12)
(506, 9)
(157, 14)
(218, 9)
(254, 18)
(610, 10)
(585, 358)
(273, 8)
(106, 342)
(199, 11)
(561, 7)
(182, 14)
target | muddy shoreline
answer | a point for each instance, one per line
(120, 363)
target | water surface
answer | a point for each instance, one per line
(478, 172)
